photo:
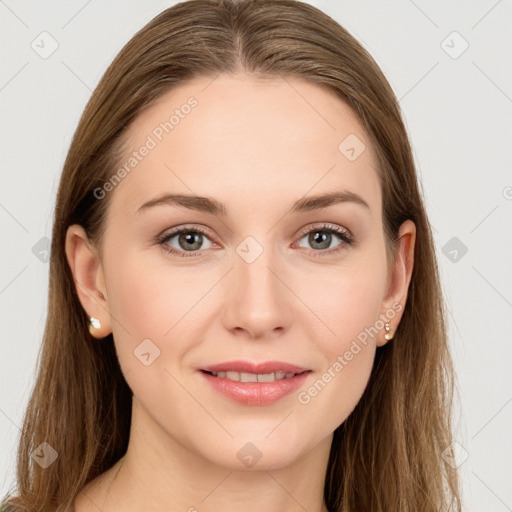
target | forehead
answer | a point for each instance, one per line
(256, 139)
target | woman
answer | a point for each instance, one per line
(244, 305)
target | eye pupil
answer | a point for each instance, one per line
(195, 239)
(320, 237)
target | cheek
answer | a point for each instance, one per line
(149, 304)
(150, 299)
(349, 303)
(348, 299)
(145, 298)
(356, 304)
(351, 312)
(337, 389)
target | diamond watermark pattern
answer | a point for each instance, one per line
(249, 455)
(44, 45)
(45, 455)
(41, 249)
(454, 45)
(146, 352)
(455, 454)
(454, 250)
(249, 249)
(351, 147)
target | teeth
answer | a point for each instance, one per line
(253, 377)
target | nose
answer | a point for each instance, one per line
(257, 302)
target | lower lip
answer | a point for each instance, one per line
(256, 393)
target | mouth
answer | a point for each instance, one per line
(255, 383)
(253, 377)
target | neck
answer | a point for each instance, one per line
(176, 478)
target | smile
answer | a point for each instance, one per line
(255, 392)
(253, 377)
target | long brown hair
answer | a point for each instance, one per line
(387, 455)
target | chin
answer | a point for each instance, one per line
(255, 453)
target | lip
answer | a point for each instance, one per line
(258, 368)
(255, 393)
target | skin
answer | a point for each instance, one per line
(256, 145)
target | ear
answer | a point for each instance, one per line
(87, 271)
(400, 277)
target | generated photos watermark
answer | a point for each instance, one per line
(156, 136)
(305, 397)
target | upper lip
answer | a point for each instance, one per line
(256, 368)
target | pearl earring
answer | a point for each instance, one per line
(94, 323)
(388, 336)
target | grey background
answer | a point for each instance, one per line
(457, 106)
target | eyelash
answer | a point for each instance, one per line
(343, 234)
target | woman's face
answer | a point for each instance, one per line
(260, 276)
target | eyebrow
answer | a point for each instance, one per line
(210, 205)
